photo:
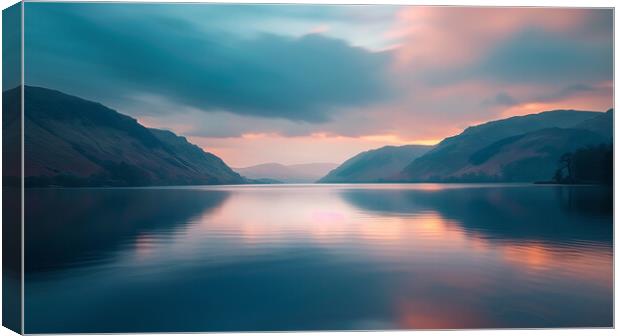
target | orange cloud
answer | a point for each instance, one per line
(448, 41)
(254, 148)
(599, 99)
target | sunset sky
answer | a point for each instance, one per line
(319, 83)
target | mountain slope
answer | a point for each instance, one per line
(450, 159)
(74, 142)
(532, 156)
(375, 165)
(299, 173)
(602, 124)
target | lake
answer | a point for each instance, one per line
(310, 257)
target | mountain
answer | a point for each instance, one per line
(602, 124)
(375, 165)
(523, 148)
(298, 173)
(70, 141)
(529, 157)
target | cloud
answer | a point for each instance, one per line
(441, 45)
(500, 99)
(435, 35)
(537, 57)
(466, 65)
(109, 53)
(569, 91)
(220, 73)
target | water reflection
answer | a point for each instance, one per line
(533, 236)
(319, 257)
(78, 227)
(534, 212)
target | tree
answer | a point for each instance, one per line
(564, 173)
(591, 164)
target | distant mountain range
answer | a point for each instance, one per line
(70, 141)
(517, 149)
(279, 173)
(377, 165)
(74, 142)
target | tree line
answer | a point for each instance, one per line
(587, 165)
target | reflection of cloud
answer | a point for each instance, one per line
(254, 256)
(436, 270)
(319, 217)
(420, 314)
(144, 245)
(586, 263)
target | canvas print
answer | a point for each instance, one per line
(298, 167)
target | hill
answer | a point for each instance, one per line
(504, 150)
(298, 173)
(377, 165)
(70, 141)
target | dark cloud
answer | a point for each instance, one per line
(501, 99)
(504, 99)
(222, 71)
(566, 92)
(534, 56)
(110, 52)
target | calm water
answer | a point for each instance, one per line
(312, 257)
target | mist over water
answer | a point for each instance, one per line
(310, 257)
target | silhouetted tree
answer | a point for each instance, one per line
(564, 173)
(592, 164)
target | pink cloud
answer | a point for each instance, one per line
(255, 148)
(447, 39)
(322, 28)
(440, 36)
(599, 99)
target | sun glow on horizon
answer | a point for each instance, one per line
(253, 148)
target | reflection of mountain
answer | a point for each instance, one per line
(524, 149)
(299, 173)
(579, 213)
(66, 227)
(375, 165)
(74, 142)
